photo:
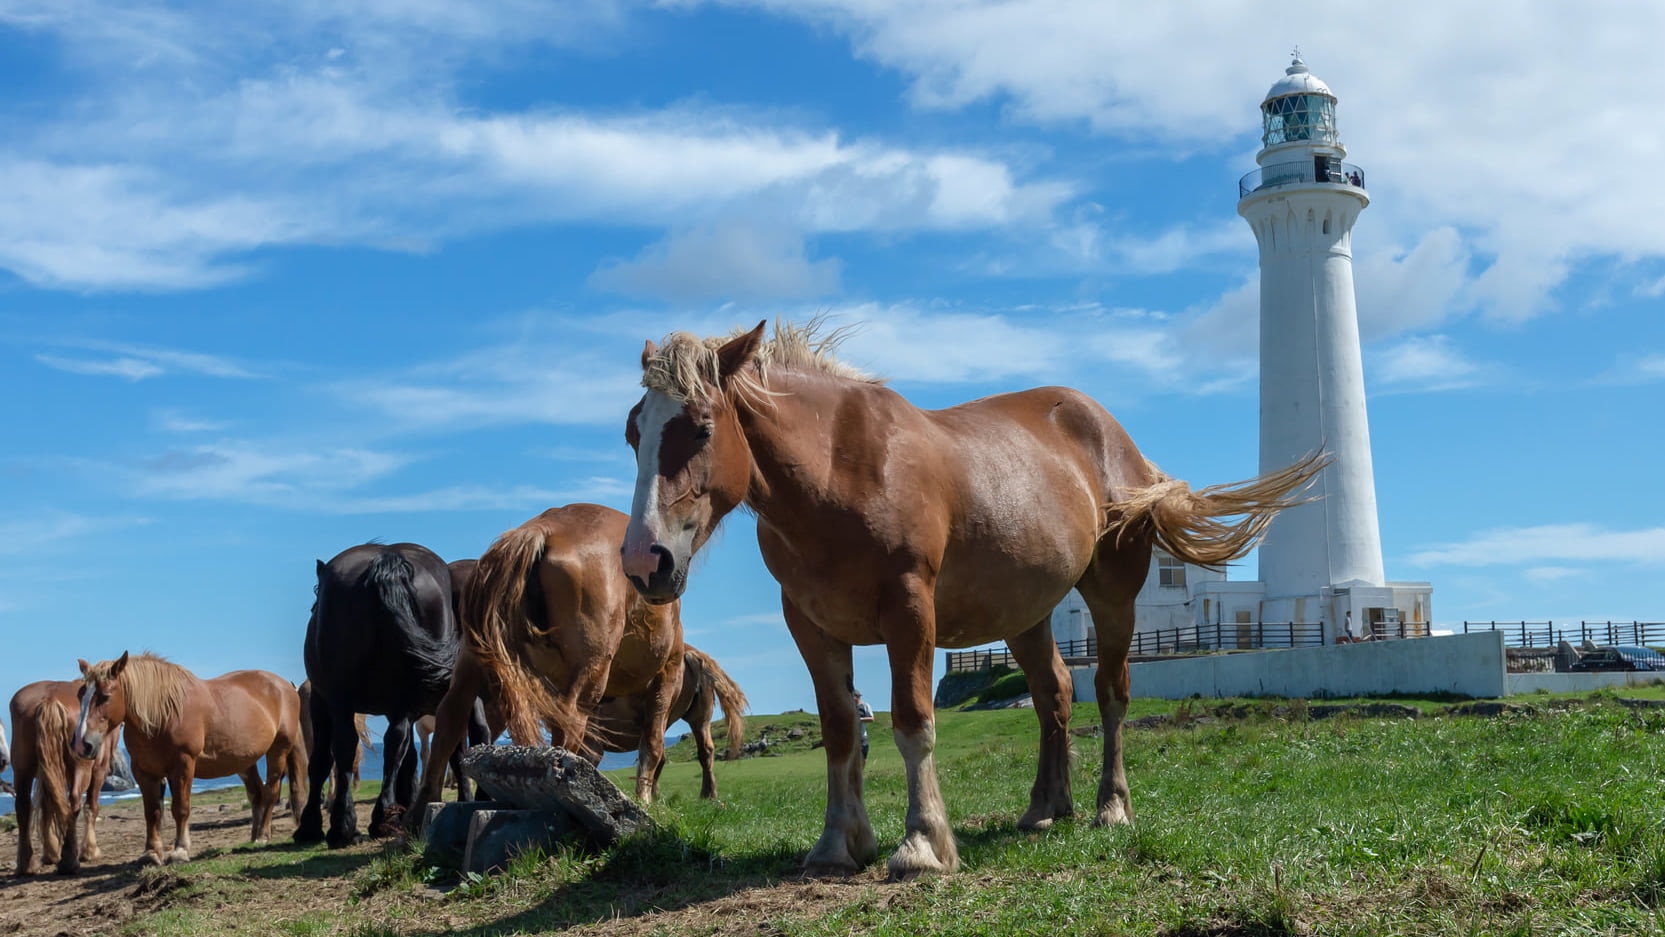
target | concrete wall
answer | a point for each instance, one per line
(1466, 664)
(1520, 684)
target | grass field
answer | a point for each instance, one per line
(1544, 820)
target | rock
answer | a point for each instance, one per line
(550, 778)
(497, 836)
(795, 733)
(120, 777)
(445, 827)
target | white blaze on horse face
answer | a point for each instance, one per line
(646, 527)
(88, 691)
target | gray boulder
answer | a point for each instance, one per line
(550, 778)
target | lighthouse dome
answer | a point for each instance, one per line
(1298, 80)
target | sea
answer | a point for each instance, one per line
(609, 762)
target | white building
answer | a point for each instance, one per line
(1321, 562)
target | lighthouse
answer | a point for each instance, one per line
(1321, 571)
(1320, 559)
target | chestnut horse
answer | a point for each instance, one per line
(551, 627)
(917, 529)
(621, 724)
(43, 716)
(181, 727)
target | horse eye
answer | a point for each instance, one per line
(703, 432)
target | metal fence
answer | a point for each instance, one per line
(1549, 634)
(1241, 636)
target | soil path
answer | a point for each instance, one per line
(110, 891)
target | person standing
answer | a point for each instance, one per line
(864, 715)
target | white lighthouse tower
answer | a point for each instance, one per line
(1320, 561)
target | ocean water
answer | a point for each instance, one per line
(609, 762)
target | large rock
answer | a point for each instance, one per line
(555, 779)
(445, 828)
(495, 836)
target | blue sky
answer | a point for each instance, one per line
(275, 281)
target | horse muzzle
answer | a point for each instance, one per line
(663, 581)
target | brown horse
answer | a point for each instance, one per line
(180, 728)
(621, 725)
(43, 717)
(888, 524)
(550, 628)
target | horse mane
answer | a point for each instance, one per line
(685, 366)
(392, 578)
(154, 686)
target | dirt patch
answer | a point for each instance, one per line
(757, 910)
(110, 892)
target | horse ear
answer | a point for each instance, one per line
(649, 349)
(84, 666)
(119, 666)
(320, 568)
(736, 352)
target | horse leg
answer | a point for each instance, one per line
(699, 720)
(479, 733)
(846, 843)
(95, 786)
(650, 757)
(451, 724)
(405, 788)
(1110, 587)
(257, 798)
(69, 860)
(1049, 685)
(928, 844)
(309, 826)
(343, 742)
(150, 791)
(180, 781)
(23, 786)
(395, 749)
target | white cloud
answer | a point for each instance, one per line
(264, 473)
(1415, 290)
(174, 421)
(137, 362)
(727, 261)
(480, 498)
(1427, 363)
(44, 532)
(1435, 103)
(1644, 369)
(1550, 544)
(1550, 573)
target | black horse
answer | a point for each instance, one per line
(382, 640)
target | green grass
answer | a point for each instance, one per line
(1543, 821)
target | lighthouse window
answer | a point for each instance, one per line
(1299, 117)
(1169, 571)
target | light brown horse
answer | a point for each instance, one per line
(43, 718)
(550, 627)
(621, 725)
(917, 529)
(180, 728)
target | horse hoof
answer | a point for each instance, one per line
(179, 855)
(307, 837)
(1112, 814)
(918, 856)
(343, 840)
(155, 858)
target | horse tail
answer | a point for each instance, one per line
(392, 577)
(295, 764)
(497, 625)
(730, 695)
(54, 729)
(361, 725)
(1187, 523)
